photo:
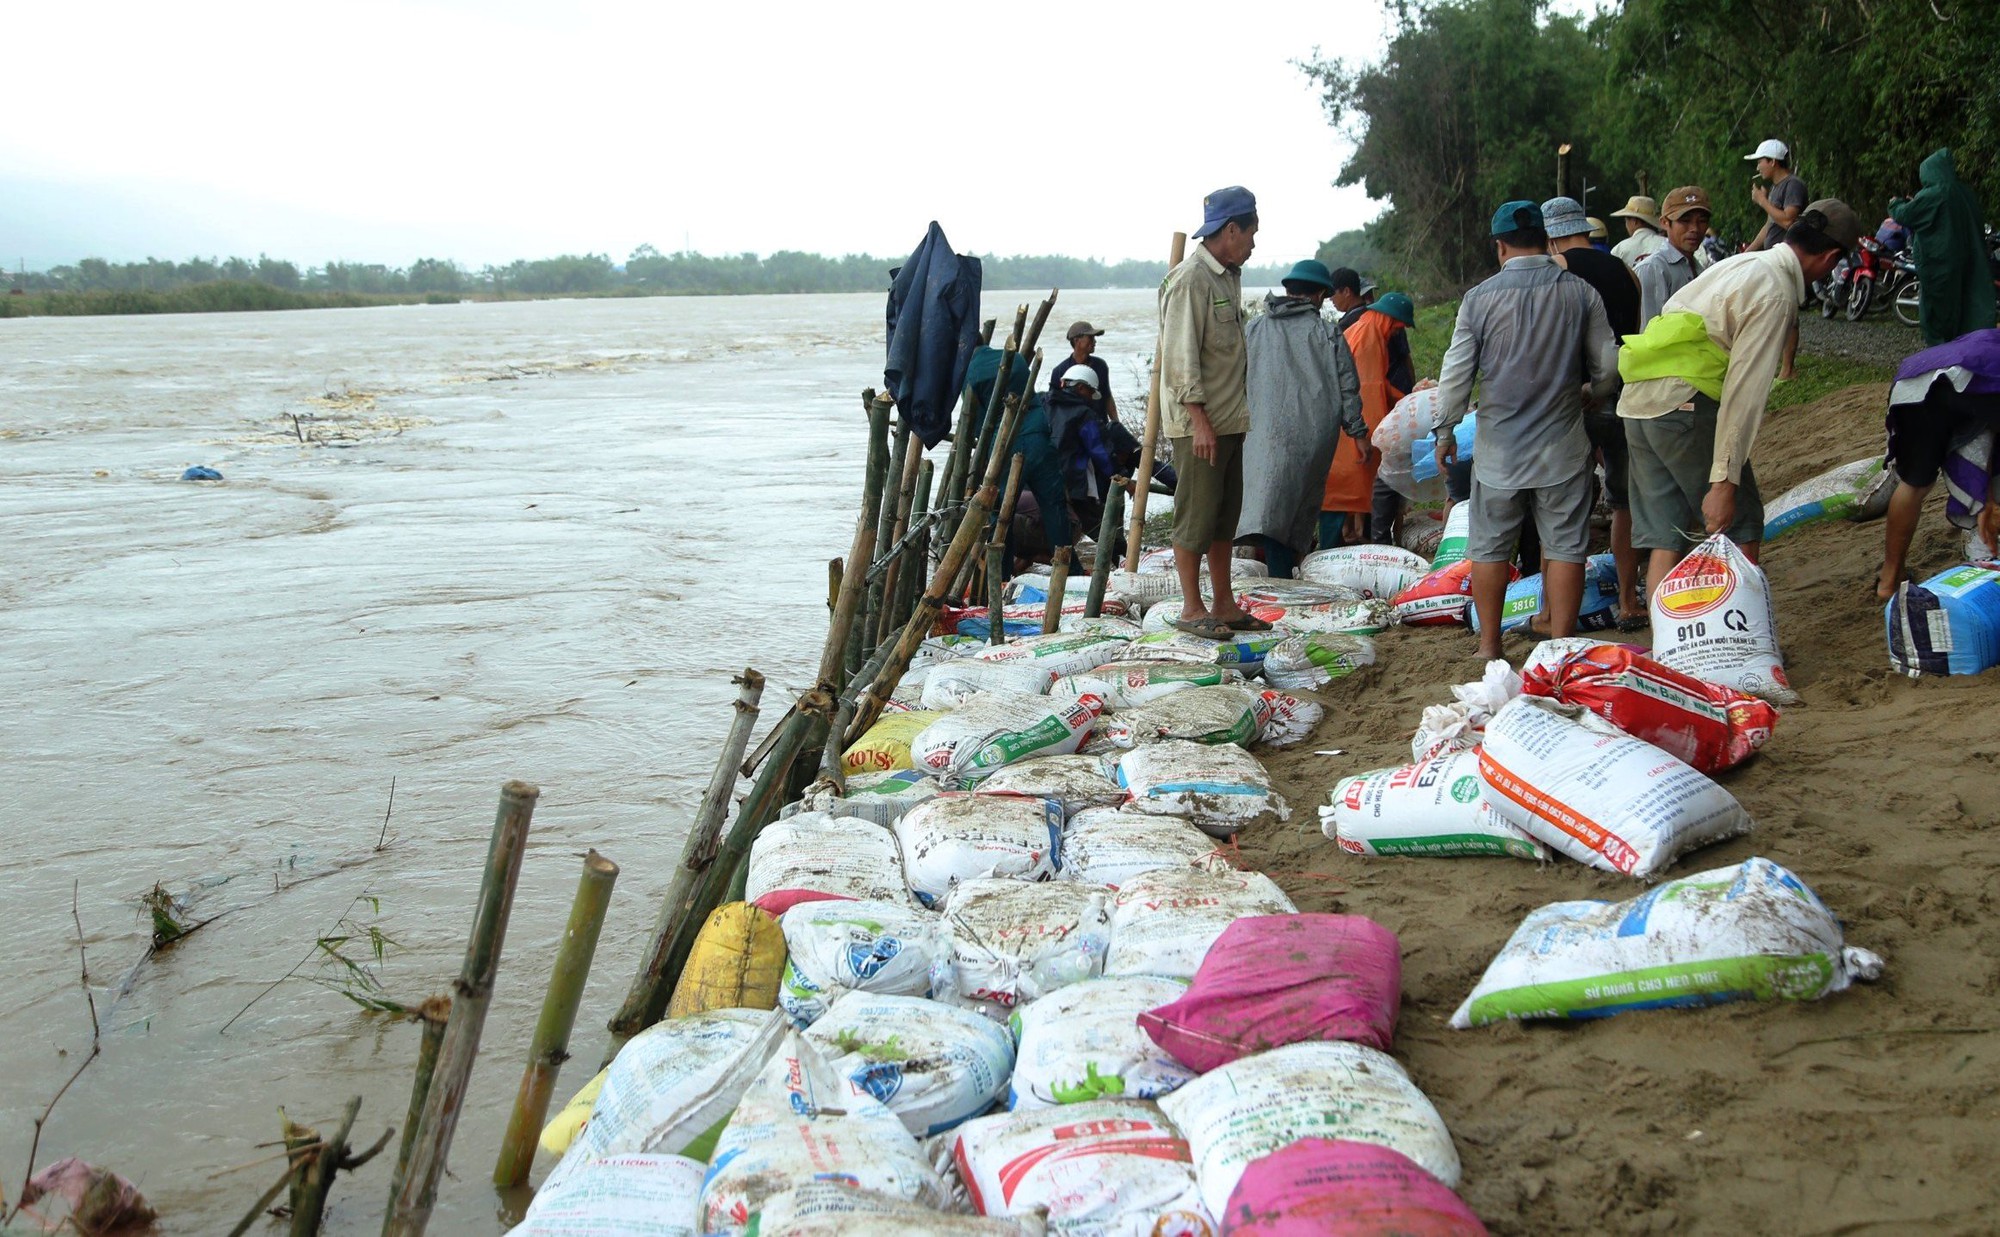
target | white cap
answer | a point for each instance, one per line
(1771, 149)
(1081, 373)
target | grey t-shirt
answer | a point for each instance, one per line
(1787, 193)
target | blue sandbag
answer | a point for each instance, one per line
(1423, 452)
(199, 473)
(1598, 612)
(1949, 624)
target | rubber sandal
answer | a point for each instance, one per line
(1635, 622)
(1206, 628)
(1248, 622)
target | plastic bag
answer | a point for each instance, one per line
(813, 855)
(673, 1084)
(1458, 726)
(1712, 619)
(1318, 1186)
(1163, 922)
(1220, 788)
(1291, 719)
(1396, 434)
(1597, 609)
(1372, 570)
(1012, 941)
(1312, 661)
(1749, 932)
(881, 947)
(875, 797)
(1244, 650)
(1440, 599)
(957, 838)
(736, 962)
(1107, 846)
(951, 684)
(1950, 624)
(1108, 1168)
(1707, 725)
(1084, 1043)
(933, 1064)
(1128, 684)
(1433, 807)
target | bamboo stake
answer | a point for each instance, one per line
(806, 728)
(897, 476)
(853, 581)
(1034, 373)
(873, 482)
(907, 578)
(410, 1211)
(323, 1161)
(646, 1002)
(1152, 438)
(986, 331)
(1058, 589)
(1107, 547)
(835, 567)
(899, 527)
(550, 1047)
(967, 449)
(434, 1014)
(996, 552)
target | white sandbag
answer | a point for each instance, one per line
(950, 684)
(628, 1195)
(1113, 622)
(1712, 618)
(1220, 788)
(1251, 1107)
(1128, 684)
(1161, 562)
(1586, 788)
(832, 856)
(961, 837)
(1457, 535)
(836, 1209)
(887, 948)
(1243, 649)
(1199, 715)
(1749, 932)
(1458, 726)
(908, 693)
(876, 797)
(1367, 617)
(1012, 941)
(1291, 719)
(675, 1082)
(937, 649)
(1373, 570)
(998, 728)
(1064, 652)
(1109, 1168)
(1085, 1043)
(933, 1064)
(1857, 491)
(1549, 654)
(1311, 661)
(1433, 807)
(1409, 422)
(1108, 846)
(1074, 782)
(802, 1121)
(1162, 922)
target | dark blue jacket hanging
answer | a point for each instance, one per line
(933, 328)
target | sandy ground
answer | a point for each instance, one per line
(1875, 1111)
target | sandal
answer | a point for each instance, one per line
(1208, 628)
(1247, 622)
(1634, 622)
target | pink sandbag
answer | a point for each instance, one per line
(1272, 980)
(1321, 1186)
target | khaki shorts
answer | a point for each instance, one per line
(1670, 458)
(1208, 499)
(1561, 514)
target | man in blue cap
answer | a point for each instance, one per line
(1304, 386)
(1525, 334)
(1203, 362)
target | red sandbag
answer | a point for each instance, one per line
(1441, 598)
(1272, 980)
(1326, 1186)
(1704, 724)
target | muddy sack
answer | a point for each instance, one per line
(672, 1085)
(1107, 1168)
(876, 797)
(962, 837)
(1243, 650)
(836, 1209)
(887, 948)
(1749, 932)
(1707, 725)
(1309, 662)
(1084, 1043)
(1291, 719)
(1712, 618)
(1075, 782)
(997, 728)
(1128, 684)
(1163, 922)
(1272, 980)
(631, 1194)
(1582, 786)
(933, 1064)
(1064, 652)
(1220, 789)
(814, 856)
(1372, 570)
(1319, 1186)
(1434, 807)
(1857, 491)
(1244, 1111)
(1108, 846)
(1199, 715)
(1012, 941)
(951, 684)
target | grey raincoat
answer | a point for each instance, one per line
(1303, 390)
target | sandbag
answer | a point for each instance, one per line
(1857, 491)
(1597, 608)
(735, 963)
(886, 746)
(876, 797)
(1396, 434)
(563, 1128)
(937, 649)
(1128, 684)
(836, 1209)
(887, 948)
(1024, 620)
(1372, 570)
(1074, 782)
(962, 837)
(629, 1195)
(814, 855)
(1084, 1043)
(1108, 846)
(1012, 941)
(1441, 599)
(1712, 618)
(801, 1121)
(1163, 921)
(998, 728)
(1248, 1109)
(1318, 1186)
(1707, 725)
(1107, 1168)
(1272, 980)
(1586, 788)
(1749, 932)
(950, 685)
(1244, 649)
(1221, 789)
(1433, 807)
(1550, 653)
(1310, 662)
(1198, 715)
(673, 1084)
(1460, 725)
(1061, 652)
(1291, 719)
(1457, 535)
(1949, 624)
(1161, 562)
(933, 1064)
(1421, 534)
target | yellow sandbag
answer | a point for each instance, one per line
(886, 746)
(560, 1132)
(736, 963)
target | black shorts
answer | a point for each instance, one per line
(1924, 432)
(1607, 434)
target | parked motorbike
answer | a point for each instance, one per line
(1872, 269)
(1832, 290)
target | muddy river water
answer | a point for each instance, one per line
(527, 540)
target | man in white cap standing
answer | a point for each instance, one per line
(1642, 230)
(1781, 204)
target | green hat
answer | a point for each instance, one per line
(1312, 271)
(1397, 306)
(1515, 215)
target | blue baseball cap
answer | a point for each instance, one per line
(1223, 205)
(1512, 216)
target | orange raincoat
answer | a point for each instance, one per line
(1350, 485)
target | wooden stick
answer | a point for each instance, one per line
(906, 495)
(434, 1014)
(410, 1211)
(835, 567)
(874, 481)
(1152, 438)
(1107, 547)
(1058, 589)
(996, 588)
(973, 466)
(646, 1001)
(907, 578)
(894, 479)
(550, 1047)
(316, 1173)
(986, 331)
(853, 583)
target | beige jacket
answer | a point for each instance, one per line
(1202, 357)
(1748, 303)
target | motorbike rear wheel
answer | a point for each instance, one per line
(1858, 298)
(1908, 304)
(1832, 295)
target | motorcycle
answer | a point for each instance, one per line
(1832, 291)
(1872, 267)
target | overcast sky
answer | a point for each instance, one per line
(486, 130)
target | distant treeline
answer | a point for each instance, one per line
(202, 284)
